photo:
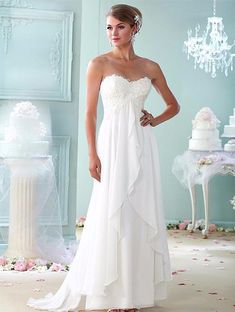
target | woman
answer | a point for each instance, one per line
(122, 262)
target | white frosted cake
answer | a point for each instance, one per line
(229, 132)
(24, 136)
(230, 146)
(205, 133)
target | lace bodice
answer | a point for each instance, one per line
(117, 92)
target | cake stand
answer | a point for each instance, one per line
(190, 171)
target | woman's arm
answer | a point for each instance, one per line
(172, 107)
(94, 76)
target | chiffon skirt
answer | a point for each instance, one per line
(122, 260)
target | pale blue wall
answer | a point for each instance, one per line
(165, 25)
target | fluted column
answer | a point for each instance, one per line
(22, 240)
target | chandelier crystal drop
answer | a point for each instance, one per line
(211, 51)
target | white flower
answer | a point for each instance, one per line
(25, 109)
(207, 117)
(42, 268)
(8, 267)
(138, 22)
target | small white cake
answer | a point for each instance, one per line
(24, 134)
(205, 133)
(230, 146)
(229, 132)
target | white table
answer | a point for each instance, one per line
(199, 167)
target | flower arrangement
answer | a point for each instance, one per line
(200, 225)
(204, 161)
(25, 109)
(206, 119)
(232, 201)
(81, 221)
(208, 160)
(22, 264)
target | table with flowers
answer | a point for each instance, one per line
(199, 167)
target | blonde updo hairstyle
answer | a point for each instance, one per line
(126, 13)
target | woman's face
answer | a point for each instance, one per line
(119, 33)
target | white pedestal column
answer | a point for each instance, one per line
(22, 240)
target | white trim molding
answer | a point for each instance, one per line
(45, 74)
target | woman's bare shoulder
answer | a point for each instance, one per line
(98, 63)
(150, 64)
(152, 68)
(99, 60)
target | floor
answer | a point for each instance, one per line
(202, 270)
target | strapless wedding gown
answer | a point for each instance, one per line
(122, 260)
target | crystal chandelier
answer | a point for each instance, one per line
(211, 51)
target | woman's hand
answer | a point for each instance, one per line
(147, 119)
(95, 167)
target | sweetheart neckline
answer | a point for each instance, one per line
(125, 79)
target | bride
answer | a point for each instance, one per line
(122, 262)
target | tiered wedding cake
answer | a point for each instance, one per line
(205, 133)
(229, 132)
(24, 134)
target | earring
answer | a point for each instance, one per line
(133, 38)
(111, 45)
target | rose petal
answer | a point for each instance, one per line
(7, 284)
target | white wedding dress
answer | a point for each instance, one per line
(122, 260)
